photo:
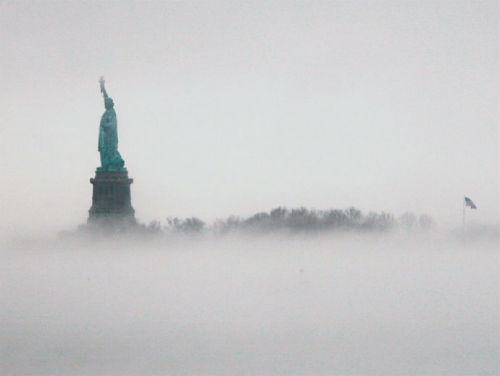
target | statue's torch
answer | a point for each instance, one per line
(101, 81)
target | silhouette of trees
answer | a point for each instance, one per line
(154, 227)
(408, 220)
(191, 225)
(305, 220)
(296, 220)
(354, 215)
(382, 221)
(279, 213)
(224, 226)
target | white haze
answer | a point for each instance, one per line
(343, 304)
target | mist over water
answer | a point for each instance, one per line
(338, 304)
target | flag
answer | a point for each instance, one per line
(468, 202)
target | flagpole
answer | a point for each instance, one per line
(463, 204)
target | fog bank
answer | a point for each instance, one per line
(342, 304)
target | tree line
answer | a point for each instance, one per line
(295, 220)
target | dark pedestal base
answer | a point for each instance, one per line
(111, 202)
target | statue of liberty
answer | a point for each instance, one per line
(111, 159)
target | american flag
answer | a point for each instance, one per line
(468, 202)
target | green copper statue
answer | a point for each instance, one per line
(111, 159)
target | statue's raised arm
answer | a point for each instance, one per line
(103, 89)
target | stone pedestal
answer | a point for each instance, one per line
(111, 201)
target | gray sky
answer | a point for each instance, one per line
(235, 108)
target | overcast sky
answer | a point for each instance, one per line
(239, 107)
